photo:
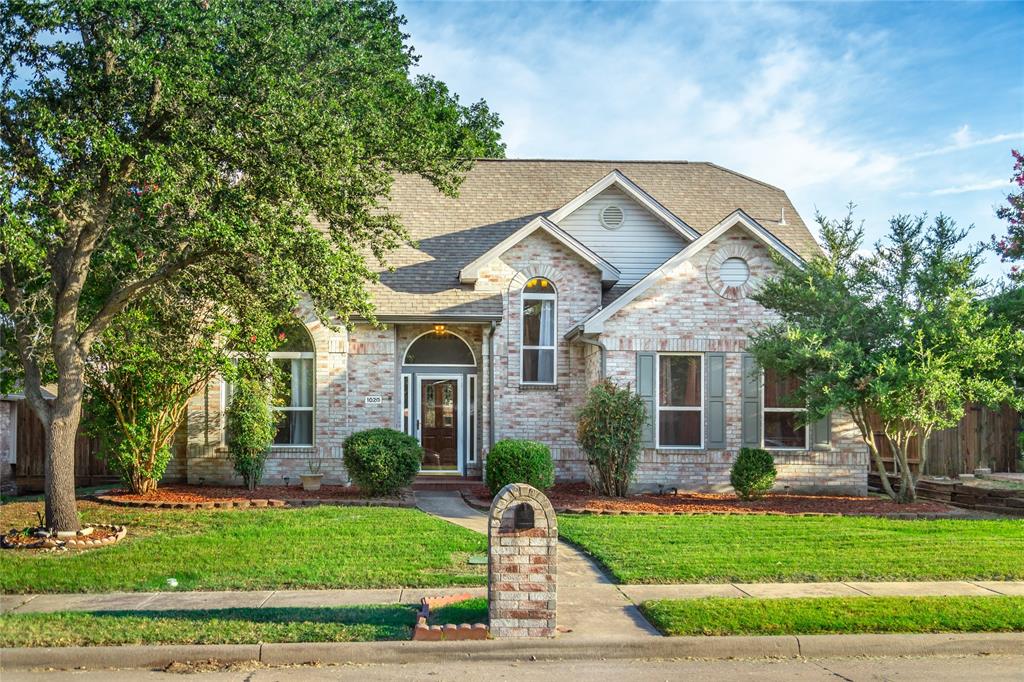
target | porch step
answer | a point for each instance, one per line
(447, 482)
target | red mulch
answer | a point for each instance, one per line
(582, 496)
(207, 493)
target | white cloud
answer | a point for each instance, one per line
(973, 187)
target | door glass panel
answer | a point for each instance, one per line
(439, 420)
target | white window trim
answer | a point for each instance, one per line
(294, 355)
(473, 398)
(766, 410)
(658, 408)
(523, 298)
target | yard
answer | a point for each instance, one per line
(836, 615)
(698, 549)
(321, 547)
(222, 626)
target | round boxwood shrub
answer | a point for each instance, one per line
(382, 461)
(753, 473)
(519, 461)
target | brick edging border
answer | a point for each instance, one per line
(73, 542)
(424, 632)
(406, 501)
(482, 505)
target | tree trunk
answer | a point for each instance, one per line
(61, 509)
(62, 431)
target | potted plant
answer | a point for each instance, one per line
(311, 480)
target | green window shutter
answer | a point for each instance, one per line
(821, 433)
(715, 372)
(645, 389)
(751, 402)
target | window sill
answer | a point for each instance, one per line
(538, 387)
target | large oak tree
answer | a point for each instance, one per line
(143, 139)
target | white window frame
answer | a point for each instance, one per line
(766, 410)
(293, 355)
(523, 298)
(473, 398)
(658, 408)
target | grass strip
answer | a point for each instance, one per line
(216, 626)
(700, 549)
(254, 549)
(469, 611)
(835, 615)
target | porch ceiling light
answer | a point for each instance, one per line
(440, 329)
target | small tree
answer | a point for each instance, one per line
(1011, 246)
(610, 430)
(899, 335)
(251, 426)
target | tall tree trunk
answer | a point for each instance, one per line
(66, 414)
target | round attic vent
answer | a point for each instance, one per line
(734, 272)
(612, 216)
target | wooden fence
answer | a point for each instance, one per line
(29, 469)
(985, 437)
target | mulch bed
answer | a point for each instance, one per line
(224, 497)
(581, 498)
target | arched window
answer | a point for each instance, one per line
(538, 332)
(440, 347)
(294, 357)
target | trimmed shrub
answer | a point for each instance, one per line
(382, 461)
(753, 473)
(251, 426)
(610, 430)
(519, 461)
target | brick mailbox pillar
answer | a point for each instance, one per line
(522, 540)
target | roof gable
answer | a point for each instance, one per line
(609, 274)
(595, 323)
(632, 190)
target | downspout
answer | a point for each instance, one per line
(601, 349)
(490, 386)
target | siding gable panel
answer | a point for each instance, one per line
(638, 247)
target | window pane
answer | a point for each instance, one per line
(296, 382)
(778, 390)
(295, 428)
(781, 430)
(677, 428)
(538, 323)
(439, 349)
(293, 337)
(679, 378)
(539, 365)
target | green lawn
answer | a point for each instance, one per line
(835, 615)
(668, 549)
(319, 547)
(222, 626)
(469, 611)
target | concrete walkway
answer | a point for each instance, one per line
(589, 604)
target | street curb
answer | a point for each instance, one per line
(578, 648)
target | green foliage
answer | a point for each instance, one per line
(519, 461)
(251, 426)
(142, 141)
(900, 334)
(382, 461)
(610, 430)
(753, 473)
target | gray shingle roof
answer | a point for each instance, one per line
(500, 196)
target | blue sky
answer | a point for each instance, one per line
(899, 108)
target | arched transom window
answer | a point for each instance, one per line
(440, 347)
(538, 332)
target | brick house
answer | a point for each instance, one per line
(538, 280)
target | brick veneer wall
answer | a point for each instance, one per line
(543, 413)
(522, 566)
(683, 313)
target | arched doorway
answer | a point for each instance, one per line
(439, 401)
